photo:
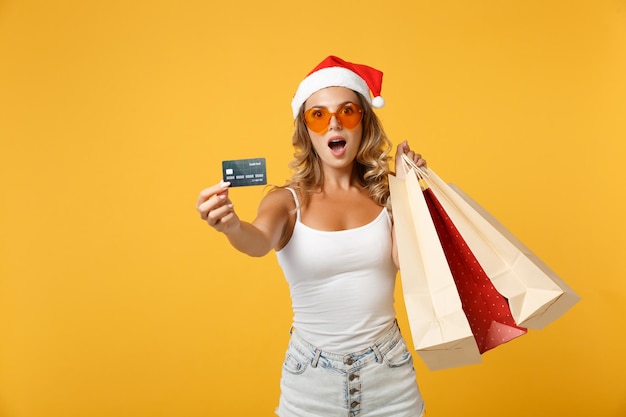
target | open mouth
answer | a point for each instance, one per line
(337, 145)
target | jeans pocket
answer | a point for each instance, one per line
(295, 362)
(398, 355)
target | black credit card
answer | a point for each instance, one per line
(242, 172)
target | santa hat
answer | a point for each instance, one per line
(335, 72)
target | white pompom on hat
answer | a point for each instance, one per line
(335, 72)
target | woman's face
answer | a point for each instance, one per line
(338, 145)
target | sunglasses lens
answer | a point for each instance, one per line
(318, 118)
(349, 115)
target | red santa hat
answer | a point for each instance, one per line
(335, 72)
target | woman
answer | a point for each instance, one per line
(332, 233)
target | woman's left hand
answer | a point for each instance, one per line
(404, 148)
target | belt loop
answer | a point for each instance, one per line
(379, 356)
(316, 358)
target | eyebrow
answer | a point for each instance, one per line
(325, 107)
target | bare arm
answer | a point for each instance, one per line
(394, 248)
(257, 238)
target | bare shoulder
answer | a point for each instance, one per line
(276, 216)
(278, 199)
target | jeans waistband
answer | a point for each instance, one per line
(376, 350)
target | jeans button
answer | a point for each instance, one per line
(349, 361)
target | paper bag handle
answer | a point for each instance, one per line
(420, 172)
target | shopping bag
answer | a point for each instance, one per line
(439, 328)
(536, 294)
(486, 309)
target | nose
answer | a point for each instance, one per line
(334, 123)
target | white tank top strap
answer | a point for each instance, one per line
(295, 198)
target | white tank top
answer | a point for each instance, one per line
(341, 283)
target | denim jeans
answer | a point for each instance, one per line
(378, 381)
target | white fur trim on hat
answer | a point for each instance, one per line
(378, 102)
(328, 77)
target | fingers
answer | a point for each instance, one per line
(220, 216)
(419, 161)
(403, 148)
(212, 199)
(207, 193)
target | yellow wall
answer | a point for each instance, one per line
(116, 300)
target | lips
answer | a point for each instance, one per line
(337, 145)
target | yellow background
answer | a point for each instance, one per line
(116, 300)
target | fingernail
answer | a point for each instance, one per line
(224, 184)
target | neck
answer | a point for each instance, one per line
(340, 179)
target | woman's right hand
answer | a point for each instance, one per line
(216, 208)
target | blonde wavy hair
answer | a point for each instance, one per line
(372, 159)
